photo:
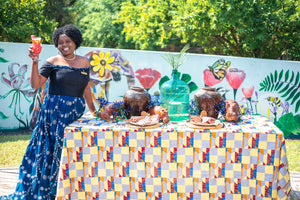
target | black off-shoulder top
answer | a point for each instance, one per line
(65, 80)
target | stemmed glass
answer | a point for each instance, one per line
(36, 45)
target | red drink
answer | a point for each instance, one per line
(36, 44)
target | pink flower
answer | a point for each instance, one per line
(20, 87)
(209, 78)
(17, 80)
(147, 77)
(235, 77)
(248, 91)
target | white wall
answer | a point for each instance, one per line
(256, 70)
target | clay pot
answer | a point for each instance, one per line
(209, 99)
(135, 101)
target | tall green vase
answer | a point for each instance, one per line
(175, 97)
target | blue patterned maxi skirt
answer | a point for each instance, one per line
(38, 173)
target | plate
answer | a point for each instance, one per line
(143, 121)
(137, 124)
(216, 125)
(132, 125)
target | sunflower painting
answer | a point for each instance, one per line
(106, 68)
(102, 61)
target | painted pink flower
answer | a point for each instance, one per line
(235, 77)
(209, 78)
(20, 86)
(248, 91)
(17, 80)
(147, 77)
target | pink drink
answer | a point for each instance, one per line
(36, 44)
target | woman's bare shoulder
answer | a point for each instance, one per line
(85, 62)
(53, 59)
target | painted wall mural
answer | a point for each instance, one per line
(107, 67)
(260, 86)
(286, 84)
(147, 77)
(20, 90)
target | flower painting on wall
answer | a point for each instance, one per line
(248, 92)
(106, 68)
(147, 77)
(235, 78)
(20, 87)
(101, 62)
(216, 73)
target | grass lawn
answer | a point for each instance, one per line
(13, 146)
(293, 154)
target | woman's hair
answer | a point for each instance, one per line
(71, 31)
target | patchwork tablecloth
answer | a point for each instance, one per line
(245, 160)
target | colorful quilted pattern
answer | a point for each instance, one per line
(109, 161)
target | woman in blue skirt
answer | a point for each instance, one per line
(68, 92)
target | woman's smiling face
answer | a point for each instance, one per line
(66, 45)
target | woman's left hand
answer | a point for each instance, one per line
(31, 54)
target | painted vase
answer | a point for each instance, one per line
(135, 100)
(209, 99)
(175, 97)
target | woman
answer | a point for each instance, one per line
(65, 102)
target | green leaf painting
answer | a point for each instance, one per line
(2, 60)
(3, 116)
(185, 78)
(162, 80)
(287, 84)
(289, 125)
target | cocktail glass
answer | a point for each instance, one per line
(36, 44)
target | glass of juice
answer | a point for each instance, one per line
(36, 44)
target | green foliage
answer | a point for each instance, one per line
(21, 19)
(286, 84)
(264, 29)
(146, 23)
(289, 125)
(176, 59)
(59, 11)
(95, 19)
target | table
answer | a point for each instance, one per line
(245, 160)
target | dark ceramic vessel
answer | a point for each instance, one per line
(135, 101)
(209, 99)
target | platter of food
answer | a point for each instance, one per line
(204, 122)
(150, 121)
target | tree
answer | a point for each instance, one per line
(59, 11)
(21, 19)
(147, 23)
(95, 19)
(262, 29)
